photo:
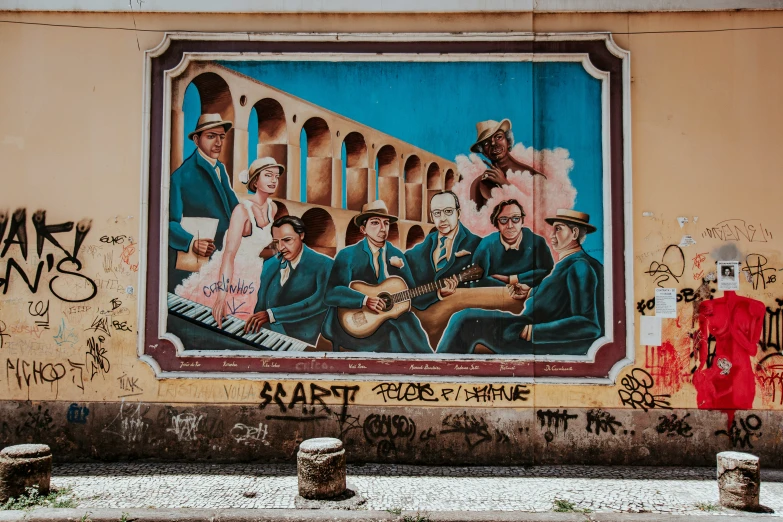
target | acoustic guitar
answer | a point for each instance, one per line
(396, 298)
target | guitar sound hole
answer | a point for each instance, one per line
(387, 301)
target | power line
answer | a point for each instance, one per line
(720, 30)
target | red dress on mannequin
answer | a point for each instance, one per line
(725, 380)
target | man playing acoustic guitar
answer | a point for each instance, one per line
(373, 260)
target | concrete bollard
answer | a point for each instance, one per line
(24, 466)
(739, 480)
(320, 466)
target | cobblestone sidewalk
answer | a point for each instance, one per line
(391, 487)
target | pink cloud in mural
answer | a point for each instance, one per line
(540, 197)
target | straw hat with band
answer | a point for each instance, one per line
(210, 121)
(487, 129)
(255, 168)
(573, 217)
(375, 209)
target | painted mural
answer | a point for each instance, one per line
(388, 205)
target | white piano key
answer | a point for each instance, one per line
(183, 304)
(236, 327)
(252, 336)
(228, 322)
(191, 312)
(202, 314)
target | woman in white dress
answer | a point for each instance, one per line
(228, 283)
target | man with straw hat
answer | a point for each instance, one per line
(200, 188)
(494, 140)
(563, 315)
(373, 260)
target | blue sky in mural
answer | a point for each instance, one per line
(436, 105)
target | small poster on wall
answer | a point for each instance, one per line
(728, 275)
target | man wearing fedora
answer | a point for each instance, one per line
(200, 188)
(446, 251)
(372, 261)
(494, 140)
(562, 316)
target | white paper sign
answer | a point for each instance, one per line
(666, 303)
(687, 241)
(650, 331)
(728, 275)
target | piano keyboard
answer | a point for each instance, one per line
(233, 327)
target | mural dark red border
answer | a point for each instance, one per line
(164, 352)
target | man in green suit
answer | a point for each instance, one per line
(372, 261)
(293, 284)
(200, 188)
(446, 251)
(514, 254)
(563, 315)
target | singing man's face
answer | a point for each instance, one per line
(496, 146)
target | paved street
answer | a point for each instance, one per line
(425, 488)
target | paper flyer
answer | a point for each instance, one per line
(728, 275)
(666, 303)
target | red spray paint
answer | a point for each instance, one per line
(667, 366)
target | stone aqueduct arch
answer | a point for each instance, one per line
(404, 176)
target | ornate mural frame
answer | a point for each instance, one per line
(600, 56)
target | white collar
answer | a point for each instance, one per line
(513, 246)
(295, 262)
(211, 161)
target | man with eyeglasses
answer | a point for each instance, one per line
(564, 315)
(445, 251)
(293, 284)
(200, 188)
(514, 255)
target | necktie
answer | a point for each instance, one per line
(217, 171)
(377, 262)
(442, 259)
(285, 272)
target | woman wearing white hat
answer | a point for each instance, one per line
(249, 232)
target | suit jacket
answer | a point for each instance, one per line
(531, 263)
(298, 306)
(419, 259)
(354, 263)
(567, 308)
(196, 192)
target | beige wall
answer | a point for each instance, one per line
(706, 113)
